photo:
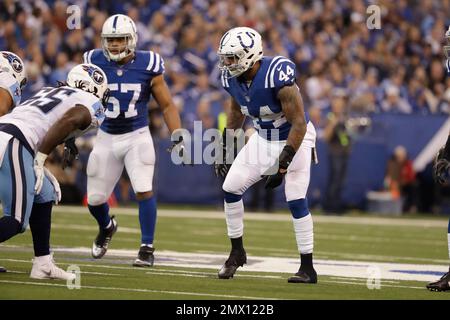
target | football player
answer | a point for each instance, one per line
(124, 138)
(264, 89)
(27, 135)
(441, 171)
(13, 78)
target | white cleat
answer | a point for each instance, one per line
(45, 268)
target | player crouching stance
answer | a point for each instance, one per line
(264, 89)
(27, 135)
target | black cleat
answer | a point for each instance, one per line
(145, 257)
(443, 284)
(235, 260)
(104, 236)
(304, 276)
(2, 270)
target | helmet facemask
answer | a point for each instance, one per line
(233, 64)
(125, 50)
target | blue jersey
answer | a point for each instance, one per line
(259, 100)
(130, 89)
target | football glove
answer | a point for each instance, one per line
(70, 153)
(38, 166)
(284, 160)
(221, 167)
(441, 168)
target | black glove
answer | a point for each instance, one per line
(285, 159)
(179, 148)
(70, 153)
(441, 167)
(221, 167)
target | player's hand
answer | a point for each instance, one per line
(70, 153)
(55, 184)
(441, 168)
(221, 167)
(273, 180)
(38, 166)
(180, 150)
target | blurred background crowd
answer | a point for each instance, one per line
(343, 68)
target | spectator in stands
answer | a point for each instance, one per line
(401, 178)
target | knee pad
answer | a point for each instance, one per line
(299, 208)
(97, 199)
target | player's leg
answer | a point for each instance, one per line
(297, 181)
(103, 171)
(247, 168)
(16, 191)
(44, 266)
(140, 165)
(443, 284)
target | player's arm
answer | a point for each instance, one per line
(77, 117)
(292, 106)
(162, 95)
(235, 118)
(6, 102)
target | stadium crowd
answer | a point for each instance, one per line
(396, 69)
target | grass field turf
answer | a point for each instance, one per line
(351, 238)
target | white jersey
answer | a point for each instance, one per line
(35, 116)
(8, 82)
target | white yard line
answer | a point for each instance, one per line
(270, 217)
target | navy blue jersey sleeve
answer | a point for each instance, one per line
(155, 63)
(281, 74)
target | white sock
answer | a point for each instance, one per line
(147, 245)
(234, 214)
(304, 234)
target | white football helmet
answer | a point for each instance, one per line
(90, 78)
(119, 26)
(447, 47)
(239, 49)
(11, 63)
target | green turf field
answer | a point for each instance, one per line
(192, 245)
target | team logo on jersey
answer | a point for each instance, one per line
(13, 61)
(95, 74)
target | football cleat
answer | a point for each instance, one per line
(104, 236)
(443, 284)
(236, 259)
(145, 257)
(45, 268)
(2, 269)
(304, 276)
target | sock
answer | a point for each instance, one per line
(147, 219)
(306, 261)
(304, 234)
(234, 214)
(147, 245)
(9, 227)
(303, 225)
(40, 225)
(236, 244)
(101, 214)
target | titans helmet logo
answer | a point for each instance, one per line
(94, 73)
(13, 61)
